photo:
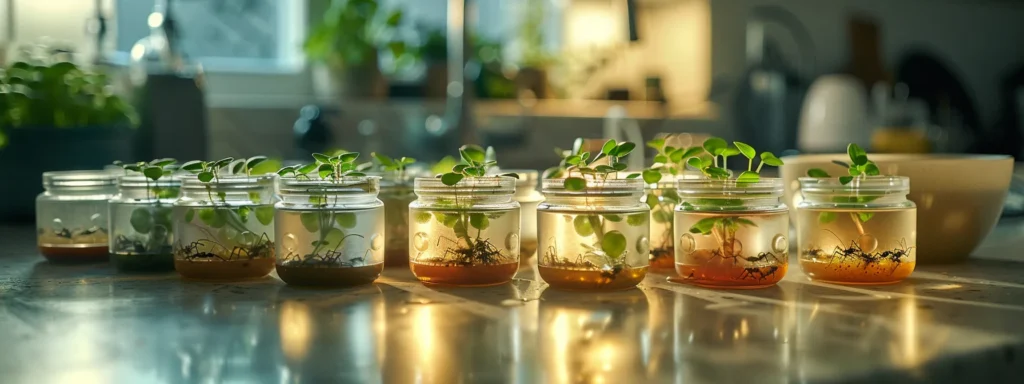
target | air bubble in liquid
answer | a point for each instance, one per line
(512, 243)
(780, 244)
(420, 241)
(643, 246)
(376, 241)
(289, 243)
(868, 243)
(687, 244)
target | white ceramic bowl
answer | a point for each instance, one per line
(959, 197)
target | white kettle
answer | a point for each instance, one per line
(834, 114)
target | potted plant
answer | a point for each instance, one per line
(347, 43)
(56, 116)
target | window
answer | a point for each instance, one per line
(225, 35)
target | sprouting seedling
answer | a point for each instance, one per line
(586, 166)
(558, 172)
(245, 166)
(859, 167)
(142, 219)
(152, 170)
(207, 171)
(718, 147)
(234, 217)
(669, 160)
(474, 164)
(332, 168)
(388, 164)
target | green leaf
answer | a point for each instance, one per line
(827, 217)
(745, 149)
(575, 184)
(286, 171)
(162, 162)
(770, 159)
(321, 158)
(582, 225)
(574, 160)
(865, 216)
(205, 176)
(662, 216)
(451, 179)
(383, 160)
(704, 226)
(141, 220)
(657, 143)
(718, 173)
(310, 221)
(189, 215)
(265, 214)
(623, 149)
(479, 221)
(349, 157)
(730, 151)
(252, 162)
(688, 153)
(211, 217)
(608, 147)
(632, 175)
(450, 220)
(748, 177)
(306, 169)
(871, 169)
(817, 172)
(325, 170)
(845, 179)
(637, 219)
(346, 220)
(651, 176)
(472, 154)
(619, 167)
(153, 173)
(605, 169)
(460, 229)
(422, 217)
(695, 162)
(715, 146)
(333, 238)
(193, 166)
(857, 154)
(237, 167)
(612, 218)
(660, 159)
(613, 244)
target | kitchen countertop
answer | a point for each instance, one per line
(87, 324)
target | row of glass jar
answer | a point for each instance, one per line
(718, 232)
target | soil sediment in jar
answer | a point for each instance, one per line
(135, 256)
(663, 259)
(330, 275)
(741, 250)
(469, 248)
(858, 247)
(592, 280)
(205, 259)
(73, 245)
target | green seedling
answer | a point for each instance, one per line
(154, 221)
(858, 168)
(396, 165)
(669, 161)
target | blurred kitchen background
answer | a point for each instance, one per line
(419, 78)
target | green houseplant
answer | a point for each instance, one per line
(55, 115)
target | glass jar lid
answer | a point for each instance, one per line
(865, 185)
(79, 179)
(712, 188)
(136, 180)
(355, 186)
(610, 187)
(239, 183)
(489, 185)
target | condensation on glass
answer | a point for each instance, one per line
(466, 234)
(864, 232)
(225, 227)
(731, 234)
(141, 223)
(71, 215)
(594, 239)
(330, 232)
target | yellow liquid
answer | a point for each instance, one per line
(848, 250)
(753, 255)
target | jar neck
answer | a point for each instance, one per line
(860, 199)
(163, 191)
(466, 193)
(347, 191)
(730, 203)
(230, 190)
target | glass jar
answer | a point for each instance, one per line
(594, 239)
(396, 192)
(860, 233)
(71, 215)
(141, 229)
(662, 199)
(529, 198)
(225, 227)
(731, 234)
(329, 233)
(466, 234)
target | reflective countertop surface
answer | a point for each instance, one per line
(86, 324)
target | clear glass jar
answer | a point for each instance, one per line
(860, 233)
(595, 239)
(731, 234)
(662, 199)
(141, 225)
(529, 198)
(71, 215)
(397, 193)
(466, 234)
(225, 228)
(329, 233)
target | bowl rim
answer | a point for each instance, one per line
(892, 157)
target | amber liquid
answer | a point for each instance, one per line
(847, 250)
(754, 255)
(663, 260)
(470, 275)
(591, 280)
(225, 269)
(74, 254)
(329, 276)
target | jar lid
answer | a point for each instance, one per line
(490, 185)
(136, 180)
(79, 179)
(872, 185)
(229, 182)
(704, 187)
(355, 185)
(610, 187)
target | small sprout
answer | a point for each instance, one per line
(859, 167)
(585, 165)
(717, 147)
(475, 163)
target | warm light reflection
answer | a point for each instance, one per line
(426, 342)
(296, 330)
(560, 346)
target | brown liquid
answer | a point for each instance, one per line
(225, 270)
(856, 272)
(96, 253)
(719, 272)
(527, 250)
(396, 257)
(472, 275)
(592, 280)
(663, 260)
(329, 276)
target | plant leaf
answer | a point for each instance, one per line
(845, 179)
(422, 217)
(252, 162)
(205, 176)
(718, 173)
(619, 167)
(857, 154)
(637, 219)
(346, 220)
(841, 163)
(162, 162)
(748, 177)
(325, 170)
(451, 179)
(817, 172)
(472, 154)
(153, 173)
(141, 220)
(306, 169)
(575, 184)
(265, 214)
(865, 216)
(582, 225)
(614, 244)
(321, 158)
(382, 159)
(651, 176)
(715, 146)
(730, 151)
(604, 169)
(632, 175)
(770, 159)
(745, 149)
(661, 159)
(189, 215)
(349, 157)
(871, 169)
(695, 162)
(193, 166)
(827, 217)
(623, 149)
(608, 147)
(310, 221)
(689, 152)
(479, 221)
(704, 226)
(657, 143)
